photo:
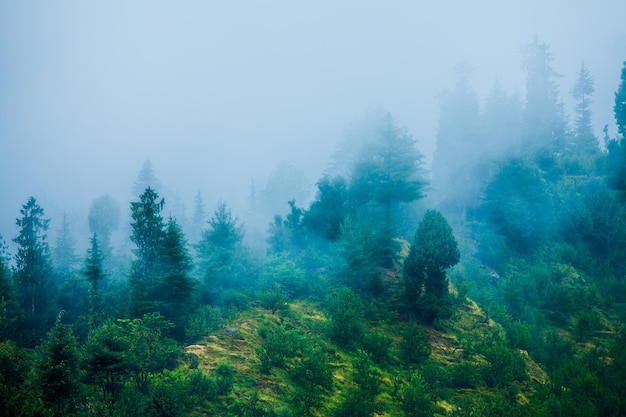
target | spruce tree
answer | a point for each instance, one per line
(65, 250)
(176, 286)
(33, 274)
(104, 218)
(8, 306)
(544, 125)
(94, 271)
(584, 142)
(57, 370)
(148, 235)
(433, 251)
(620, 104)
(388, 171)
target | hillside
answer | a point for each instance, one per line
(469, 365)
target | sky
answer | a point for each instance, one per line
(216, 94)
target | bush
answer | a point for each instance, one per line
(415, 344)
(377, 345)
(225, 377)
(203, 321)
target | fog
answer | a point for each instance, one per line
(216, 94)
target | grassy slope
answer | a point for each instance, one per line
(238, 348)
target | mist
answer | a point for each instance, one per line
(217, 94)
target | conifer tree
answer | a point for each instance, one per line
(33, 274)
(219, 247)
(199, 217)
(582, 91)
(94, 271)
(104, 219)
(146, 179)
(176, 286)
(544, 125)
(8, 307)
(584, 141)
(433, 251)
(58, 370)
(620, 104)
(388, 171)
(148, 236)
(65, 250)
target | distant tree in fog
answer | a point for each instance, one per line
(361, 132)
(104, 218)
(501, 122)
(544, 124)
(620, 104)
(219, 247)
(64, 252)
(388, 171)
(459, 142)
(285, 183)
(146, 179)
(583, 142)
(199, 217)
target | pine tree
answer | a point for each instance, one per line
(544, 122)
(104, 219)
(33, 274)
(8, 307)
(199, 217)
(146, 179)
(176, 286)
(433, 251)
(620, 104)
(459, 142)
(388, 171)
(58, 370)
(219, 247)
(584, 141)
(94, 271)
(582, 91)
(65, 250)
(148, 236)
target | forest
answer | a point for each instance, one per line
(495, 284)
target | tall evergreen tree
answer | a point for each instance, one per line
(104, 218)
(219, 247)
(94, 271)
(620, 104)
(584, 142)
(146, 179)
(582, 91)
(33, 274)
(544, 122)
(148, 235)
(388, 171)
(199, 217)
(65, 250)
(327, 213)
(459, 142)
(8, 307)
(58, 371)
(176, 286)
(433, 251)
(501, 122)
